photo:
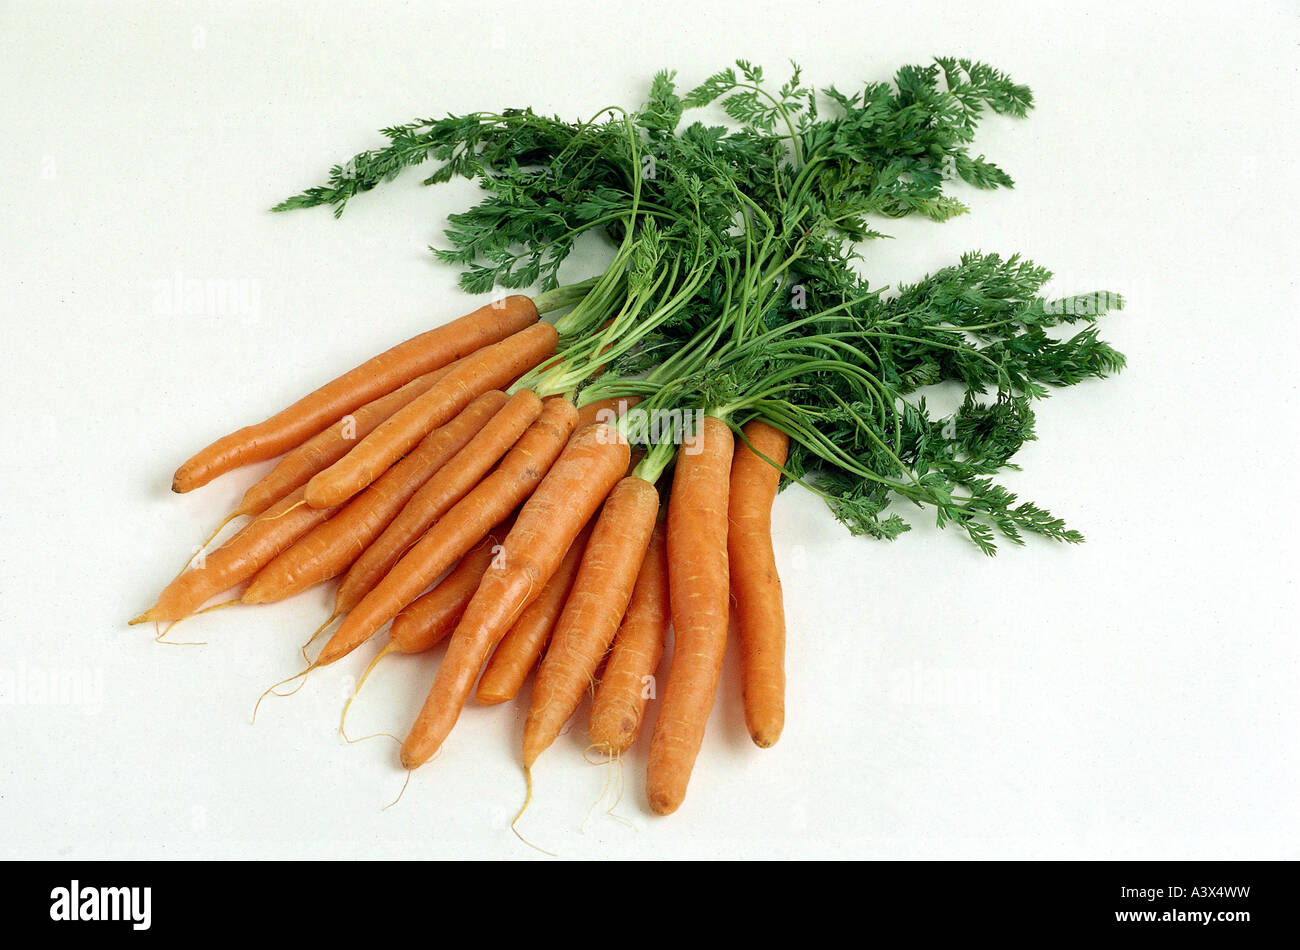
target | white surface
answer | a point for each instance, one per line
(1134, 697)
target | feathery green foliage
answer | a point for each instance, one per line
(734, 286)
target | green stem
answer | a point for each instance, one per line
(655, 461)
(549, 301)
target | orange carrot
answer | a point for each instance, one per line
(621, 697)
(755, 584)
(459, 529)
(424, 622)
(375, 377)
(322, 450)
(493, 367)
(593, 611)
(698, 596)
(238, 559)
(517, 653)
(436, 497)
(567, 497)
(330, 547)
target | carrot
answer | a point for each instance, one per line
(755, 584)
(517, 653)
(698, 597)
(322, 450)
(620, 701)
(593, 611)
(567, 497)
(436, 497)
(330, 547)
(238, 559)
(298, 465)
(492, 367)
(424, 622)
(459, 529)
(375, 377)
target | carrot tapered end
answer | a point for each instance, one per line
(411, 759)
(662, 803)
(766, 731)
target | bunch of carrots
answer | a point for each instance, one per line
(557, 494)
(455, 503)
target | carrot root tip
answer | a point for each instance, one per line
(271, 689)
(162, 634)
(399, 794)
(528, 798)
(662, 802)
(343, 718)
(319, 630)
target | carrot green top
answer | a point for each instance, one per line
(733, 288)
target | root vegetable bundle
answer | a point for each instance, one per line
(555, 482)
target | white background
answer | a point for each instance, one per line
(1134, 697)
